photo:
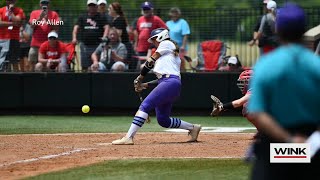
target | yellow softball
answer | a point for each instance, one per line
(85, 108)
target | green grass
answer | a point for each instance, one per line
(98, 124)
(162, 169)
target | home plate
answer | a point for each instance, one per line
(216, 129)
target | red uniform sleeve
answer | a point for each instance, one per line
(55, 16)
(21, 14)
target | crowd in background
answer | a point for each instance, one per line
(104, 40)
(103, 34)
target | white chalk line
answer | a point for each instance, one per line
(104, 144)
(215, 130)
(165, 132)
(47, 156)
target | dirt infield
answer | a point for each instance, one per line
(29, 155)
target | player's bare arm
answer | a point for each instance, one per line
(240, 102)
(74, 34)
(41, 58)
(4, 23)
(106, 30)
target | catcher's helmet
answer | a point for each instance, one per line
(243, 80)
(160, 33)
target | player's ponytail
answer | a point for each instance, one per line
(177, 50)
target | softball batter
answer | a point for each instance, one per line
(165, 63)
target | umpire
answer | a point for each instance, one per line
(285, 99)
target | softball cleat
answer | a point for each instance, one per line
(194, 132)
(123, 141)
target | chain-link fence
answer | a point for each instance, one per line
(233, 26)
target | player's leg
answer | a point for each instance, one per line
(63, 66)
(24, 62)
(4, 49)
(85, 56)
(13, 54)
(156, 97)
(38, 67)
(163, 112)
(167, 90)
(118, 66)
(33, 57)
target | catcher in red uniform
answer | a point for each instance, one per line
(243, 83)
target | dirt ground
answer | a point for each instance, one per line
(30, 155)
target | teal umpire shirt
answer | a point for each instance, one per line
(286, 85)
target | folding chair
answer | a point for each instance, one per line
(71, 56)
(211, 54)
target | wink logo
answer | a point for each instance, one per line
(290, 153)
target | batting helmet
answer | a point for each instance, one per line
(161, 34)
(243, 80)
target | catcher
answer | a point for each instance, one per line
(243, 83)
(165, 63)
(218, 107)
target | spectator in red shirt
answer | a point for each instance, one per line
(42, 21)
(145, 25)
(52, 55)
(10, 22)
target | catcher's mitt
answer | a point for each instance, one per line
(217, 106)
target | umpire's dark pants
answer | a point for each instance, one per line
(264, 170)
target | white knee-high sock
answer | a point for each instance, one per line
(178, 123)
(137, 123)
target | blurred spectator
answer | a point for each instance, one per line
(102, 9)
(120, 22)
(92, 27)
(41, 22)
(131, 30)
(285, 99)
(179, 30)
(52, 55)
(266, 35)
(25, 40)
(256, 29)
(110, 55)
(145, 24)
(10, 22)
(233, 64)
